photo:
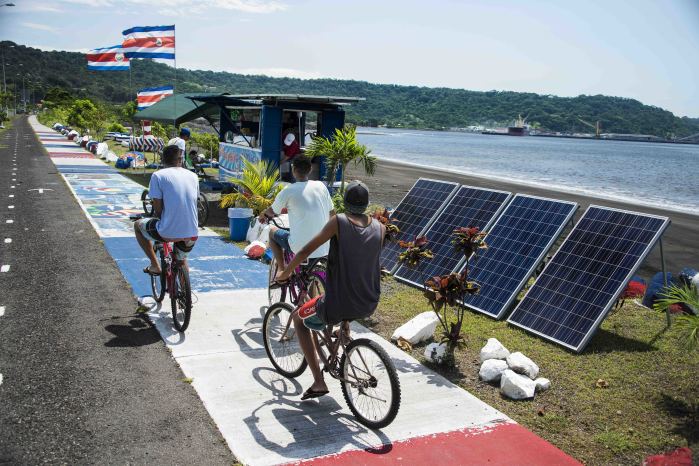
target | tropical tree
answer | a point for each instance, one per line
(82, 114)
(257, 187)
(206, 141)
(341, 149)
(688, 324)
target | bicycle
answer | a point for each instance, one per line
(202, 207)
(368, 379)
(173, 279)
(310, 276)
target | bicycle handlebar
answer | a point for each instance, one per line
(274, 221)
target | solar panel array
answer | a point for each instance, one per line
(580, 283)
(517, 242)
(470, 207)
(415, 212)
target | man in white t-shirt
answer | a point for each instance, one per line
(174, 191)
(181, 141)
(309, 206)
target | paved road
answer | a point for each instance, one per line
(84, 379)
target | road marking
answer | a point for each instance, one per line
(5, 268)
(8, 240)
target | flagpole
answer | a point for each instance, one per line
(174, 85)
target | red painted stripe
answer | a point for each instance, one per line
(503, 444)
(151, 42)
(104, 57)
(71, 156)
(144, 99)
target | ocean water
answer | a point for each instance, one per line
(646, 174)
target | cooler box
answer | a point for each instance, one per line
(239, 222)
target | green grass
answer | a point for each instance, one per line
(649, 406)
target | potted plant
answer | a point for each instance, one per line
(340, 150)
(256, 189)
(449, 291)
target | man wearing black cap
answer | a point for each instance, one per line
(353, 276)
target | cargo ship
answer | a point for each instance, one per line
(519, 128)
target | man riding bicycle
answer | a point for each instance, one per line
(353, 276)
(309, 206)
(174, 191)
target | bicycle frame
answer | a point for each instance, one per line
(170, 262)
(331, 361)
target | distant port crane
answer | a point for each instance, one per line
(596, 126)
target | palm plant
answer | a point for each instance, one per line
(342, 149)
(257, 187)
(688, 324)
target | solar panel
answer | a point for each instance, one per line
(517, 242)
(470, 207)
(580, 283)
(415, 212)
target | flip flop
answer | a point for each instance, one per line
(275, 284)
(150, 272)
(310, 393)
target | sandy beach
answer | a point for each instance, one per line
(680, 241)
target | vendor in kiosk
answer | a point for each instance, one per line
(290, 149)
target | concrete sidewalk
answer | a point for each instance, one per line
(259, 412)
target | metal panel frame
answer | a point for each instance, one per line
(437, 212)
(538, 260)
(461, 262)
(620, 289)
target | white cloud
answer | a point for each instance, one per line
(179, 7)
(40, 27)
(43, 8)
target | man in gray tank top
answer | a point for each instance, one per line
(353, 278)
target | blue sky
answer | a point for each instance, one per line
(641, 49)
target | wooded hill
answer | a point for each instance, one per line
(407, 106)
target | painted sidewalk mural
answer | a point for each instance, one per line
(257, 411)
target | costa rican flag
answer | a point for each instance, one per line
(150, 42)
(107, 59)
(150, 95)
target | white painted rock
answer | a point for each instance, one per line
(542, 384)
(523, 365)
(419, 328)
(493, 349)
(515, 386)
(492, 369)
(147, 301)
(435, 352)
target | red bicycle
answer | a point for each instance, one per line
(173, 278)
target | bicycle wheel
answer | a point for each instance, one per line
(286, 355)
(157, 282)
(370, 386)
(202, 210)
(147, 203)
(181, 298)
(275, 295)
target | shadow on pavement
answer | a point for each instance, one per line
(308, 422)
(137, 333)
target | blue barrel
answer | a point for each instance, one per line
(239, 222)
